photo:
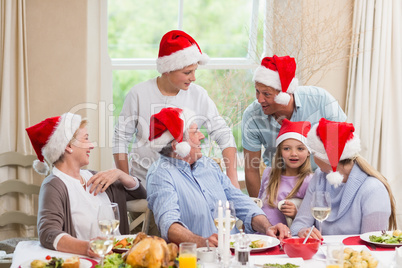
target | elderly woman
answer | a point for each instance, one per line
(361, 198)
(70, 196)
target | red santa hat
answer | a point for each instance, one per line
(293, 130)
(177, 50)
(168, 125)
(50, 137)
(278, 73)
(332, 142)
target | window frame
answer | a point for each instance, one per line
(247, 62)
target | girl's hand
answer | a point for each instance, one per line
(314, 234)
(289, 209)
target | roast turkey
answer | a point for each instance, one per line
(150, 251)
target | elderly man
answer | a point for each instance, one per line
(278, 97)
(184, 186)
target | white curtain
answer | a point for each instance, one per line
(375, 87)
(14, 116)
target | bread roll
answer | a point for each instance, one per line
(73, 262)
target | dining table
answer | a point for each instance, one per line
(27, 251)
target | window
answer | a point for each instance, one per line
(225, 30)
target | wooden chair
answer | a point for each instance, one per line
(13, 187)
(17, 186)
(139, 206)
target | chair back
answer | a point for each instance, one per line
(16, 186)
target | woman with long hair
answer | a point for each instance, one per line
(361, 198)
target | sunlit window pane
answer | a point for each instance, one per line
(220, 27)
(136, 27)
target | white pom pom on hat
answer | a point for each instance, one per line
(50, 137)
(170, 124)
(332, 142)
(41, 167)
(278, 73)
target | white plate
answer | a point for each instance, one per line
(120, 237)
(269, 241)
(83, 264)
(261, 260)
(366, 237)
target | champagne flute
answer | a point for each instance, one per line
(109, 218)
(99, 243)
(321, 206)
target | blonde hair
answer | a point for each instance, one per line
(278, 167)
(371, 171)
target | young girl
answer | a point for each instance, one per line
(289, 175)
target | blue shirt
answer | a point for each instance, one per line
(360, 205)
(311, 104)
(180, 193)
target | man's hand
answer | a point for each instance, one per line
(212, 240)
(279, 231)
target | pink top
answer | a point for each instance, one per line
(285, 187)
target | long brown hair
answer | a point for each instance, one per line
(278, 166)
(371, 171)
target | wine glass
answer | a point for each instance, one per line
(226, 205)
(109, 218)
(100, 243)
(321, 206)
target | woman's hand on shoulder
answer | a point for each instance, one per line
(103, 179)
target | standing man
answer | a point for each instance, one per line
(278, 97)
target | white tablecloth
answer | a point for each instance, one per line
(385, 258)
(30, 250)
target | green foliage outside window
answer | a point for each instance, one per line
(221, 28)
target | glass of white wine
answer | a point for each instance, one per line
(320, 207)
(100, 243)
(109, 218)
(232, 214)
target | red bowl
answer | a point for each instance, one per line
(295, 248)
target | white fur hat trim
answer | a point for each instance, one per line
(158, 143)
(61, 136)
(271, 78)
(292, 135)
(180, 59)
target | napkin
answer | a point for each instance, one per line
(398, 256)
(4, 255)
(296, 201)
